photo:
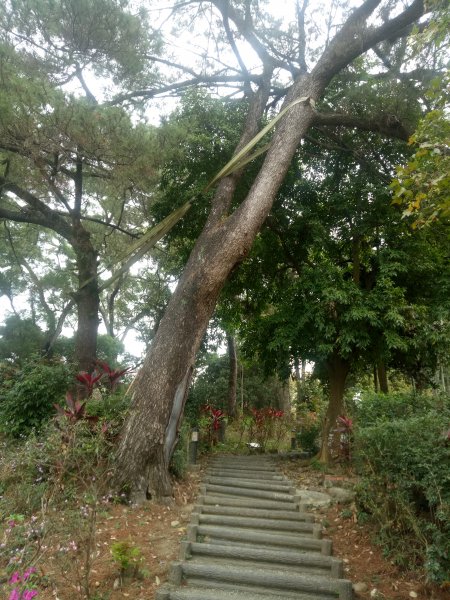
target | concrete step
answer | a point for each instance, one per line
(261, 513)
(246, 502)
(266, 468)
(229, 593)
(312, 563)
(257, 523)
(261, 484)
(268, 475)
(213, 575)
(240, 491)
(216, 534)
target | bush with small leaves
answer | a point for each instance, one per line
(405, 482)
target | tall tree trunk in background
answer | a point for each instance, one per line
(160, 388)
(285, 403)
(298, 381)
(232, 378)
(375, 379)
(382, 377)
(338, 369)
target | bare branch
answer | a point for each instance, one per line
(89, 95)
(355, 38)
(384, 124)
(209, 80)
(302, 35)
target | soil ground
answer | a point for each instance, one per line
(157, 531)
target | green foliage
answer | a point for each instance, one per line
(373, 408)
(20, 339)
(308, 431)
(127, 556)
(422, 186)
(403, 455)
(27, 402)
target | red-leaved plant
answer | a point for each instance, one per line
(111, 376)
(75, 410)
(345, 429)
(88, 381)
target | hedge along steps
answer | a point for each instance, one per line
(249, 541)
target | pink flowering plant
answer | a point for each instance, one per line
(22, 585)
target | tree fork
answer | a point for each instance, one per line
(161, 385)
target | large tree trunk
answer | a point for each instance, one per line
(160, 387)
(338, 369)
(87, 301)
(232, 377)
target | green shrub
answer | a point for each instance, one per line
(373, 408)
(28, 402)
(405, 485)
(309, 428)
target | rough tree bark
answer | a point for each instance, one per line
(87, 299)
(87, 296)
(160, 388)
(382, 376)
(338, 369)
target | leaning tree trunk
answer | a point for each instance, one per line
(338, 369)
(160, 388)
(232, 377)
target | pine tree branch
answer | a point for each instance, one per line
(387, 124)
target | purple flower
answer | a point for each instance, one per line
(29, 594)
(14, 595)
(15, 577)
(28, 573)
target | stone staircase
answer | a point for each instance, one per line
(250, 539)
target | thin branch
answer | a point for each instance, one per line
(209, 80)
(37, 284)
(302, 36)
(355, 38)
(89, 95)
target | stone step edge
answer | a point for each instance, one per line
(169, 592)
(228, 473)
(261, 484)
(323, 546)
(262, 513)
(181, 570)
(255, 523)
(284, 557)
(249, 492)
(243, 501)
